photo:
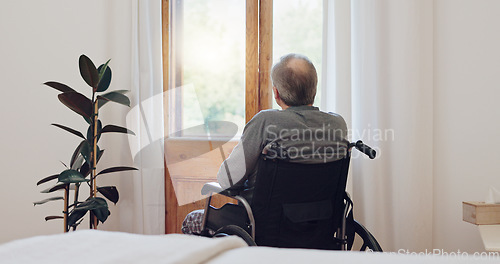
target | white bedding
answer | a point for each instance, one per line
(258, 255)
(92, 246)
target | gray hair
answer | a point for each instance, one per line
(296, 85)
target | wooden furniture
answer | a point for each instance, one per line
(487, 218)
(480, 213)
(189, 164)
(490, 234)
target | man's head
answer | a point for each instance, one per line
(294, 79)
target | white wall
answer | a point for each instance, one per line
(41, 41)
(466, 115)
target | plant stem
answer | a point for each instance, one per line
(75, 201)
(94, 155)
(66, 209)
(93, 184)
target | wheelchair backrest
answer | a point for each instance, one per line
(299, 205)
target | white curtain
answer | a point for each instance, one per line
(379, 77)
(146, 211)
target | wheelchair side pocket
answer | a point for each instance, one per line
(308, 212)
(307, 224)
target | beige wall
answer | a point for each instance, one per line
(41, 41)
(466, 115)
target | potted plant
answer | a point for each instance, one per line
(82, 168)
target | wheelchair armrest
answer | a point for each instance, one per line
(211, 187)
(216, 188)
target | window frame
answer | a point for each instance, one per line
(258, 92)
(258, 54)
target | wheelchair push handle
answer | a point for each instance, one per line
(359, 145)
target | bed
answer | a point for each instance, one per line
(118, 247)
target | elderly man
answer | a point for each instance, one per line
(298, 133)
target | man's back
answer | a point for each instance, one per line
(306, 134)
(300, 134)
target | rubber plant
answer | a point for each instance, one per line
(82, 169)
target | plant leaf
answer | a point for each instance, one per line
(77, 223)
(71, 176)
(48, 200)
(99, 155)
(113, 97)
(88, 72)
(85, 170)
(102, 68)
(116, 169)
(78, 103)
(89, 204)
(60, 87)
(117, 129)
(70, 130)
(101, 212)
(64, 164)
(121, 91)
(79, 161)
(52, 217)
(86, 150)
(75, 216)
(76, 154)
(90, 132)
(54, 188)
(80, 210)
(97, 205)
(109, 192)
(104, 77)
(102, 102)
(46, 179)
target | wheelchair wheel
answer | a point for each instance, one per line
(233, 230)
(366, 239)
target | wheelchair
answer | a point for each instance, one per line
(293, 205)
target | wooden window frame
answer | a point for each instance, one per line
(258, 92)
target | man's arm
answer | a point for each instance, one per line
(242, 161)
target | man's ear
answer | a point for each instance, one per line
(278, 99)
(276, 93)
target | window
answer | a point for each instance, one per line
(208, 67)
(298, 28)
(220, 53)
(217, 57)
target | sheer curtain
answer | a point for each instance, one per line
(146, 213)
(379, 77)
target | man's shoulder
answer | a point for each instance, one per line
(264, 114)
(269, 111)
(275, 113)
(263, 117)
(333, 115)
